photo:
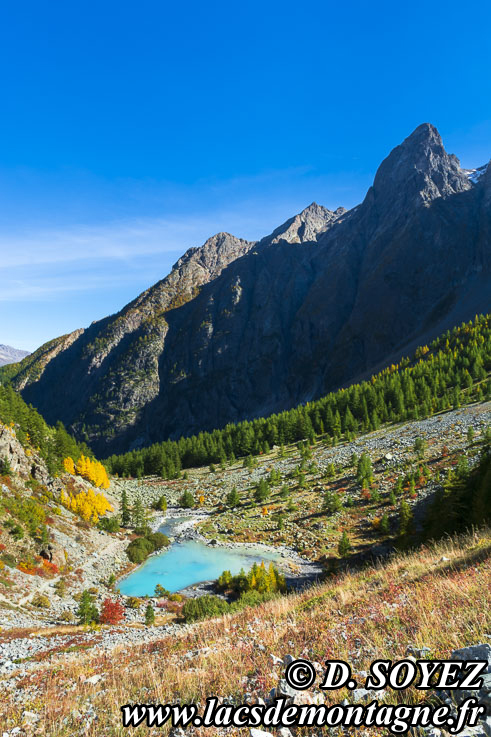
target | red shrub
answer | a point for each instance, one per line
(112, 612)
(51, 567)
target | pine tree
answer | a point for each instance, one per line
(149, 615)
(285, 492)
(330, 471)
(405, 519)
(160, 591)
(420, 445)
(262, 491)
(364, 473)
(87, 610)
(384, 525)
(138, 515)
(332, 502)
(233, 498)
(344, 545)
(161, 504)
(125, 510)
(186, 500)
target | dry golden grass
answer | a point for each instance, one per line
(439, 597)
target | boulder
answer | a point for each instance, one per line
(474, 652)
(364, 695)
(284, 689)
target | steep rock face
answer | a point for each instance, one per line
(289, 323)
(405, 258)
(238, 330)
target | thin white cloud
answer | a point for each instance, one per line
(39, 264)
(74, 249)
(41, 289)
(116, 240)
(124, 239)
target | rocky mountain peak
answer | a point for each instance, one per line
(307, 225)
(215, 253)
(419, 169)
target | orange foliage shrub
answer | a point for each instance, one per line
(51, 567)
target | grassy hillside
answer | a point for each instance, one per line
(415, 600)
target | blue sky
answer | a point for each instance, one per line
(131, 131)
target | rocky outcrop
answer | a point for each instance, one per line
(238, 329)
(17, 459)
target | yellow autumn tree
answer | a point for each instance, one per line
(81, 466)
(89, 469)
(69, 465)
(89, 505)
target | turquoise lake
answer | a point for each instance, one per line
(189, 562)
